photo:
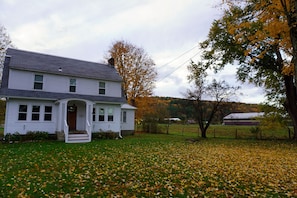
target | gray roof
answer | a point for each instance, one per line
(238, 116)
(36, 62)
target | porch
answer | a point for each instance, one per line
(75, 120)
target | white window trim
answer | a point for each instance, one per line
(74, 86)
(104, 113)
(47, 113)
(112, 109)
(43, 79)
(103, 88)
(37, 113)
(22, 112)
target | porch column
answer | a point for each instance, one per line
(61, 115)
(89, 120)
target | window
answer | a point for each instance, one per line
(102, 88)
(72, 86)
(38, 81)
(22, 112)
(35, 112)
(110, 115)
(101, 114)
(48, 113)
(124, 116)
(94, 114)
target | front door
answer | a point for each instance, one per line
(71, 117)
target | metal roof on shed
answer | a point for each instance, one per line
(237, 116)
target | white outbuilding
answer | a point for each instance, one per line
(250, 118)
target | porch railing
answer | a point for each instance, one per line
(88, 129)
(66, 131)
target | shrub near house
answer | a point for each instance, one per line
(2, 112)
(29, 136)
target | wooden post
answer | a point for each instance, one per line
(168, 126)
(236, 135)
(214, 133)
(183, 129)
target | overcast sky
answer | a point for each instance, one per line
(169, 31)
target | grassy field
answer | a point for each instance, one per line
(222, 131)
(150, 165)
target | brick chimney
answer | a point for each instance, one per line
(111, 61)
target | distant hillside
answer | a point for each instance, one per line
(183, 109)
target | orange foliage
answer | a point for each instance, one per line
(274, 30)
(135, 67)
(288, 70)
(152, 107)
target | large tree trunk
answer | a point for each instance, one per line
(292, 22)
(202, 128)
(203, 133)
(290, 103)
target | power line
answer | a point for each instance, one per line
(178, 67)
(178, 57)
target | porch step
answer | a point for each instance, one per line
(78, 132)
(78, 138)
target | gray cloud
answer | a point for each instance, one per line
(85, 29)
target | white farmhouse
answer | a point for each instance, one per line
(63, 96)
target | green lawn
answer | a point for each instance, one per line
(222, 131)
(146, 165)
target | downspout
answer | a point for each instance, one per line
(66, 131)
(120, 133)
(7, 107)
(121, 119)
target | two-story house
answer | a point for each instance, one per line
(62, 96)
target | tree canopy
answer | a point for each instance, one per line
(260, 37)
(5, 42)
(136, 68)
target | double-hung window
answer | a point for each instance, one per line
(38, 81)
(110, 114)
(35, 112)
(124, 116)
(22, 112)
(72, 85)
(48, 113)
(94, 114)
(102, 88)
(101, 114)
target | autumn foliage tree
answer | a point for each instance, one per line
(152, 110)
(5, 42)
(260, 37)
(136, 68)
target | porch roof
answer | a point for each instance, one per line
(15, 93)
(127, 106)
